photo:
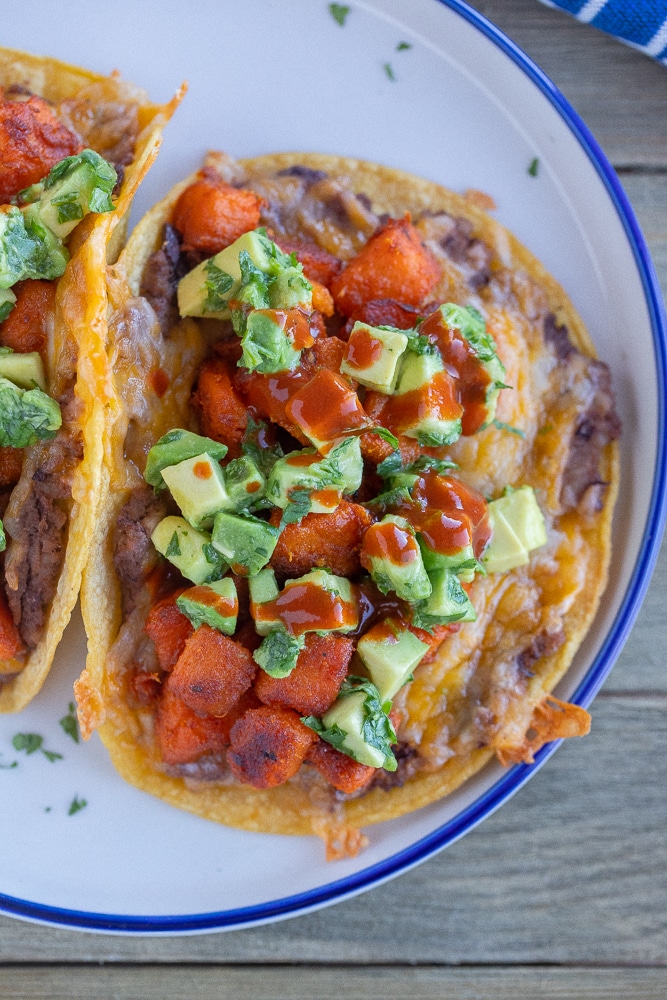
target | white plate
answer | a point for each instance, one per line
(466, 108)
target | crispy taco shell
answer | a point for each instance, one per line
(530, 621)
(118, 121)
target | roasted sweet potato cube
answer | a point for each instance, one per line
(338, 769)
(392, 265)
(268, 746)
(182, 735)
(212, 672)
(223, 414)
(318, 264)
(332, 540)
(384, 312)
(10, 638)
(169, 629)
(210, 215)
(314, 682)
(28, 324)
(32, 140)
(247, 701)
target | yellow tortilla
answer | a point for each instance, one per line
(524, 600)
(77, 343)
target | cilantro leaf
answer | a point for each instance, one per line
(279, 652)
(403, 46)
(339, 12)
(534, 166)
(218, 285)
(30, 742)
(299, 504)
(76, 805)
(69, 723)
(389, 71)
(255, 446)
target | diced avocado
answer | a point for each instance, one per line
(308, 483)
(25, 370)
(343, 609)
(357, 725)
(263, 588)
(188, 549)
(518, 527)
(291, 288)
(7, 302)
(26, 415)
(246, 543)
(422, 378)
(207, 289)
(338, 585)
(174, 447)
(198, 487)
(471, 325)
(390, 654)
(266, 346)
(448, 602)
(372, 356)
(345, 459)
(462, 562)
(279, 652)
(74, 187)
(391, 554)
(244, 482)
(215, 604)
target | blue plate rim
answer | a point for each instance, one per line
(515, 778)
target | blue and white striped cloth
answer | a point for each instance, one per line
(640, 23)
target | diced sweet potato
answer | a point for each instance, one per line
(28, 325)
(32, 140)
(212, 672)
(182, 735)
(223, 414)
(331, 540)
(322, 300)
(169, 629)
(338, 769)
(268, 746)
(318, 264)
(11, 463)
(384, 312)
(247, 701)
(210, 215)
(315, 681)
(392, 265)
(10, 638)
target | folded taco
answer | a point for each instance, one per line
(357, 508)
(74, 147)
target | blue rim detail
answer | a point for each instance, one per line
(514, 779)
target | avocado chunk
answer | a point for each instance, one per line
(266, 346)
(390, 652)
(263, 588)
(308, 482)
(174, 447)
(26, 415)
(373, 354)
(188, 549)
(428, 411)
(74, 187)
(24, 370)
(391, 554)
(358, 725)
(215, 604)
(448, 602)
(243, 272)
(198, 487)
(278, 653)
(244, 483)
(339, 612)
(245, 542)
(518, 527)
(7, 302)
(462, 561)
(472, 327)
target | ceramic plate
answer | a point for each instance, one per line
(428, 87)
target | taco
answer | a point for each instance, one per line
(358, 501)
(74, 148)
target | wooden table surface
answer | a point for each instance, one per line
(563, 892)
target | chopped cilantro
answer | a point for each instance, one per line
(389, 71)
(218, 284)
(298, 506)
(255, 446)
(339, 12)
(534, 166)
(403, 46)
(499, 425)
(279, 652)
(386, 436)
(70, 724)
(76, 805)
(174, 548)
(31, 743)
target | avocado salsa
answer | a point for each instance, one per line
(312, 540)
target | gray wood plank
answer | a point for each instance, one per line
(572, 870)
(154, 983)
(620, 93)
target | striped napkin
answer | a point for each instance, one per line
(640, 23)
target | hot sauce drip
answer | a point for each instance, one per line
(449, 514)
(327, 408)
(389, 541)
(305, 607)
